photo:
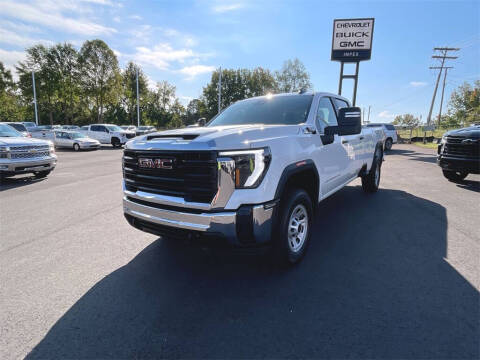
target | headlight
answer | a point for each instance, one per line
(51, 148)
(250, 166)
(4, 150)
(443, 141)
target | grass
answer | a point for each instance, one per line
(427, 145)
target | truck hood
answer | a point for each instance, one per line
(213, 138)
(19, 141)
(472, 132)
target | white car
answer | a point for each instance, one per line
(74, 140)
(390, 134)
(108, 134)
(129, 127)
(254, 175)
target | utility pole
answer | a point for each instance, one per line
(444, 51)
(138, 103)
(443, 91)
(368, 121)
(35, 98)
(220, 90)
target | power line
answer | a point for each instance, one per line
(444, 56)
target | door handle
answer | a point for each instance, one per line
(344, 141)
(361, 138)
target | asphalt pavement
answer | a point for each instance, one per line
(388, 275)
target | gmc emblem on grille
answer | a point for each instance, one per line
(155, 163)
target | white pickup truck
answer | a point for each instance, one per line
(253, 175)
(108, 134)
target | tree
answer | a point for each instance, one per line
(196, 109)
(292, 77)
(236, 85)
(100, 75)
(39, 59)
(407, 120)
(129, 90)
(464, 105)
(11, 107)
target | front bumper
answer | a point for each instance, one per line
(247, 226)
(89, 146)
(23, 166)
(472, 166)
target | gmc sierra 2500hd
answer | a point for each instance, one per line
(253, 175)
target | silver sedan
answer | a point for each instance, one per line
(75, 140)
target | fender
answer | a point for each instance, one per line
(296, 168)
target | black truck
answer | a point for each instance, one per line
(459, 153)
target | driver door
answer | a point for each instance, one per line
(332, 160)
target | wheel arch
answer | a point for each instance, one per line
(302, 174)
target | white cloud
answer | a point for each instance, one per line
(227, 7)
(14, 38)
(385, 115)
(135, 17)
(10, 58)
(418, 83)
(49, 14)
(117, 53)
(194, 70)
(117, 19)
(162, 55)
(184, 100)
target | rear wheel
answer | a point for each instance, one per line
(455, 176)
(76, 147)
(42, 174)
(371, 181)
(388, 144)
(294, 227)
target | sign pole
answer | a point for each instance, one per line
(341, 79)
(356, 83)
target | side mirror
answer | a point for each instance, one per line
(349, 121)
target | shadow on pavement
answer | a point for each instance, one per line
(374, 284)
(413, 155)
(470, 185)
(18, 181)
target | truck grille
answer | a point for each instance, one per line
(27, 155)
(129, 135)
(193, 175)
(455, 147)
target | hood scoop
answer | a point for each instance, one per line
(173, 136)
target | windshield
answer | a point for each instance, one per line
(374, 125)
(114, 128)
(143, 127)
(30, 124)
(286, 110)
(8, 131)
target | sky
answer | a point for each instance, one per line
(184, 41)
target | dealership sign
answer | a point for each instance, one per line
(352, 39)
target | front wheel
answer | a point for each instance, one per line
(455, 176)
(116, 142)
(76, 147)
(371, 181)
(295, 223)
(388, 144)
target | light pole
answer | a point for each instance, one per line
(138, 103)
(35, 98)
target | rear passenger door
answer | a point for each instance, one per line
(98, 132)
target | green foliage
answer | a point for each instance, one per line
(292, 77)
(407, 120)
(11, 108)
(464, 106)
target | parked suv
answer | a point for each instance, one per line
(254, 175)
(459, 153)
(390, 134)
(20, 155)
(108, 134)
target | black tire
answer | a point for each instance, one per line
(371, 181)
(116, 142)
(298, 201)
(42, 174)
(76, 147)
(388, 144)
(455, 176)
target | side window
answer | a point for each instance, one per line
(326, 115)
(390, 127)
(95, 128)
(339, 103)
